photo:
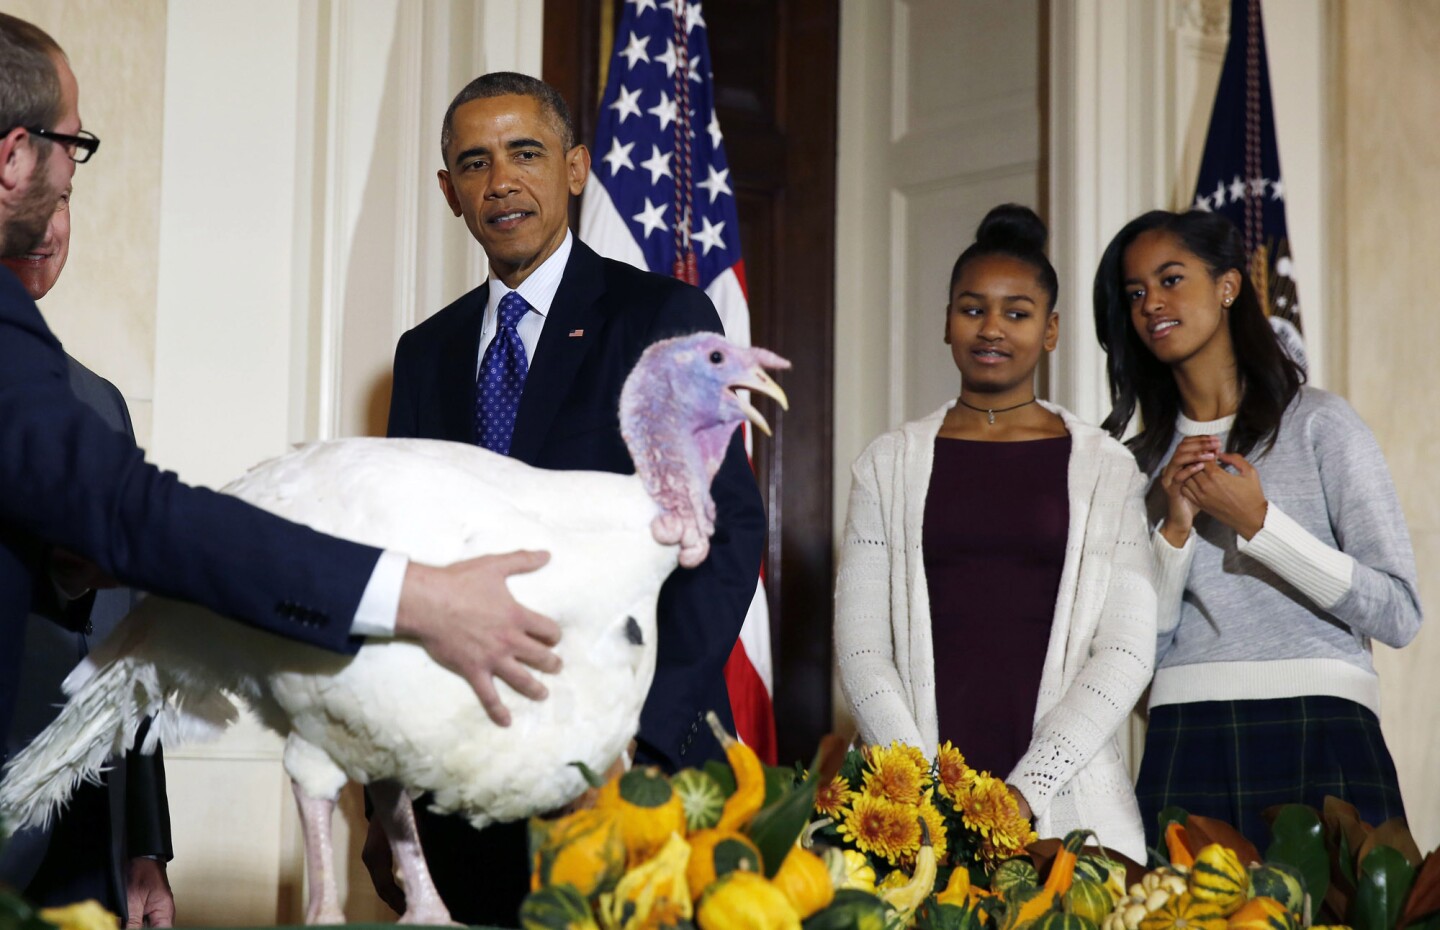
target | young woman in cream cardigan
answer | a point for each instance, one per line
(995, 584)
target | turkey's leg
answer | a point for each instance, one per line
(324, 904)
(397, 817)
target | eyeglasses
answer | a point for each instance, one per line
(79, 147)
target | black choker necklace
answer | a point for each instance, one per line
(991, 411)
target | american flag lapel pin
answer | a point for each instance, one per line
(576, 333)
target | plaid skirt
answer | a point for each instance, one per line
(1232, 759)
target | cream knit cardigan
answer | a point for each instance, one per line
(1102, 641)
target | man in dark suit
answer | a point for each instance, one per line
(576, 323)
(68, 480)
(111, 842)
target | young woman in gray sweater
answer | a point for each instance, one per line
(1281, 550)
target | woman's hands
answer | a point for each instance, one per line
(1194, 480)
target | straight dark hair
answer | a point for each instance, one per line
(1268, 378)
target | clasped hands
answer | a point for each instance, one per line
(1196, 479)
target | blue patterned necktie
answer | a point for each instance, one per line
(501, 379)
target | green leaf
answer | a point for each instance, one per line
(778, 782)
(1299, 842)
(1385, 880)
(723, 774)
(1159, 854)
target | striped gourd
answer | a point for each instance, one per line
(1219, 879)
(1263, 914)
(1089, 899)
(1183, 912)
(1107, 872)
(1278, 882)
(1059, 920)
(1012, 874)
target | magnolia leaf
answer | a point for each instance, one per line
(723, 774)
(1167, 816)
(1395, 834)
(1343, 820)
(1385, 880)
(1300, 843)
(778, 824)
(1422, 905)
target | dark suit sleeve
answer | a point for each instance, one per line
(69, 479)
(404, 420)
(147, 806)
(701, 609)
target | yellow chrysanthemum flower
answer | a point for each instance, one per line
(894, 774)
(991, 810)
(831, 798)
(881, 827)
(955, 777)
(935, 821)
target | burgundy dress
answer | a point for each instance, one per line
(996, 519)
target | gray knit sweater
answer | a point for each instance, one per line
(1291, 611)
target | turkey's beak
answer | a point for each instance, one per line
(761, 383)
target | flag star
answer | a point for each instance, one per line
(657, 164)
(651, 217)
(627, 103)
(1202, 203)
(1237, 190)
(714, 130)
(1219, 194)
(664, 111)
(1282, 301)
(636, 50)
(716, 183)
(710, 235)
(642, 5)
(695, 70)
(1277, 189)
(619, 156)
(692, 17)
(1257, 186)
(671, 58)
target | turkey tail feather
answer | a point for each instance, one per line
(108, 703)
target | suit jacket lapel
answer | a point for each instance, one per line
(457, 371)
(558, 355)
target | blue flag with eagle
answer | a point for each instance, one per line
(660, 198)
(1240, 172)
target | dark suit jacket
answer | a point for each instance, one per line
(605, 314)
(68, 479)
(82, 853)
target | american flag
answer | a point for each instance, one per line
(660, 198)
(1240, 172)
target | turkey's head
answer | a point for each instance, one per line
(678, 410)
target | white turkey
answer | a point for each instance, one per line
(389, 716)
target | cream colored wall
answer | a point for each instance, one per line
(1386, 236)
(103, 308)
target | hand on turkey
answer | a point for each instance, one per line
(465, 618)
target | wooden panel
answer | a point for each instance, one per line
(775, 65)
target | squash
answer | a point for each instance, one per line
(584, 849)
(1089, 899)
(1058, 920)
(1263, 913)
(745, 901)
(1014, 873)
(1024, 910)
(1176, 846)
(647, 809)
(1183, 912)
(804, 881)
(852, 909)
(83, 915)
(742, 806)
(716, 853)
(937, 916)
(1107, 872)
(849, 869)
(957, 889)
(908, 897)
(1278, 882)
(557, 907)
(653, 894)
(1218, 878)
(701, 796)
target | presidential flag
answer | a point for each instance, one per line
(660, 197)
(1240, 172)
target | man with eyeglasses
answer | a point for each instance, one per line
(68, 480)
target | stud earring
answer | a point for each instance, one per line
(1227, 301)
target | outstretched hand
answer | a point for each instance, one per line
(1236, 500)
(464, 616)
